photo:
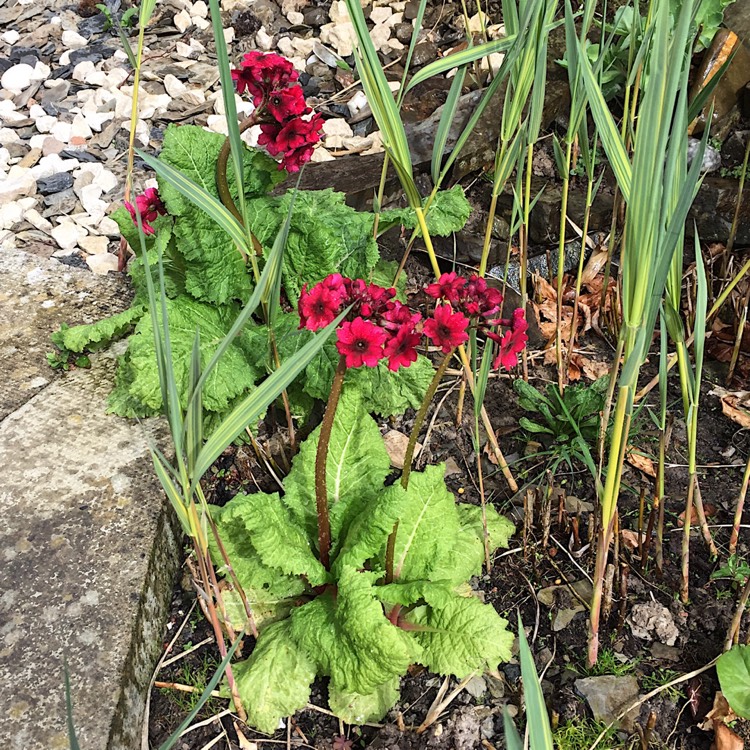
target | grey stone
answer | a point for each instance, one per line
(63, 202)
(315, 17)
(54, 184)
(424, 52)
(737, 18)
(608, 696)
(88, 543)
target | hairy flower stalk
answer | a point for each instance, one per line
(321, 463)
(421, 415)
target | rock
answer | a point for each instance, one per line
(60, 203)
(404, 32)
(476, 686)
(95, 245)
(424, 52)
(357, 103)
(182, 21)
(295, 18)
(52, 146)
(67, 235)
(83, 70)
(711, 156)
(575, 504)
(18, 183)
(665, 653)
(315, 17)
(55, 183)
(380, 36)
(37, 221)
(335, 131)
(18, 78)
(651, 620)
(10, 37)
(199, 9)
(411, 9)
(103, 263)
(737, 18)
(608, 695)
(11, 214)
(174, 86)
(73, 40)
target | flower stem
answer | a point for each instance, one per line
(421, 414)
(321, 461)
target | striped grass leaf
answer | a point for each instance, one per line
(164, 475)
(72, 738)
(699, 325)
(513, 740)
(459, 59)
(194, 413)
(446, 120)
(537, 720)
(255, 404)
(383, 105)
(206, 202)
(146, 12)
(412, 45)
(230, 105)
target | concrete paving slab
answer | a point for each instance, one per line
(88, 544)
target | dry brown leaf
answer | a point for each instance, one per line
(721, 711)
(593, 369)
(641, 462)
(595, 265)
(631, 539)
(725, 738)
(735, 405)
(245, 743)
(708, 509)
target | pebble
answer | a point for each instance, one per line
(67, 235)
(336, 131)
(182, 21)
(73, 40)
(315, 17)
(60, 203)
(381, 14)
(37, 220)
(18, 183)
(174, 86)
(10, 215)
(56, 183)
(10, 37)
(94, 244)
(102, 263)
(295, 18)
(199, 9)
(357, 103)
(17, 78)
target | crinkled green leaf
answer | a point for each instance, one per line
(269, 592)
(733, 669)
(277, 539)
(325, 236)
(418, 592)
(356, 468)
(275, 681)
(215, 270)
(383, 275)
(138, 378)
(448, 213)
(428, 525)
(355, 708)
(350, 638)
(461, 635)
(97, 335)
(466, 556)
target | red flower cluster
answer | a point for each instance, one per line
(378, 326)
(271, 81)
(149, 206)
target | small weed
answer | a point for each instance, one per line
(608, 663)
(659, 678)
(581, 735)
(197, 676)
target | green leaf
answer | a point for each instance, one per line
(461, 636)
(427, 527)
(733, 669)
(137, 382)
(325, 236)
(270, 593)
(279, 542)
(536, 709)
(418, 592)
(448, 213)
(357, 466)
(215, 271)
(383, 275)
(355, 708)
(97, 335)
(275, 681)
(350, 638)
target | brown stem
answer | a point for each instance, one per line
(687, 524)
(321, 461)
(737, 619)
(222, 184)
(738, 510)
(390, 553)
(421, 414)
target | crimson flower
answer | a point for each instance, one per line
(286, 103)
(401, 349)
(149, 206)
(318, 307)
(480, 299)
(448, 287)
(513, 341)
(261, 73)
(293, 140)
(360, 342)
(447, 328)
(399, 315)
